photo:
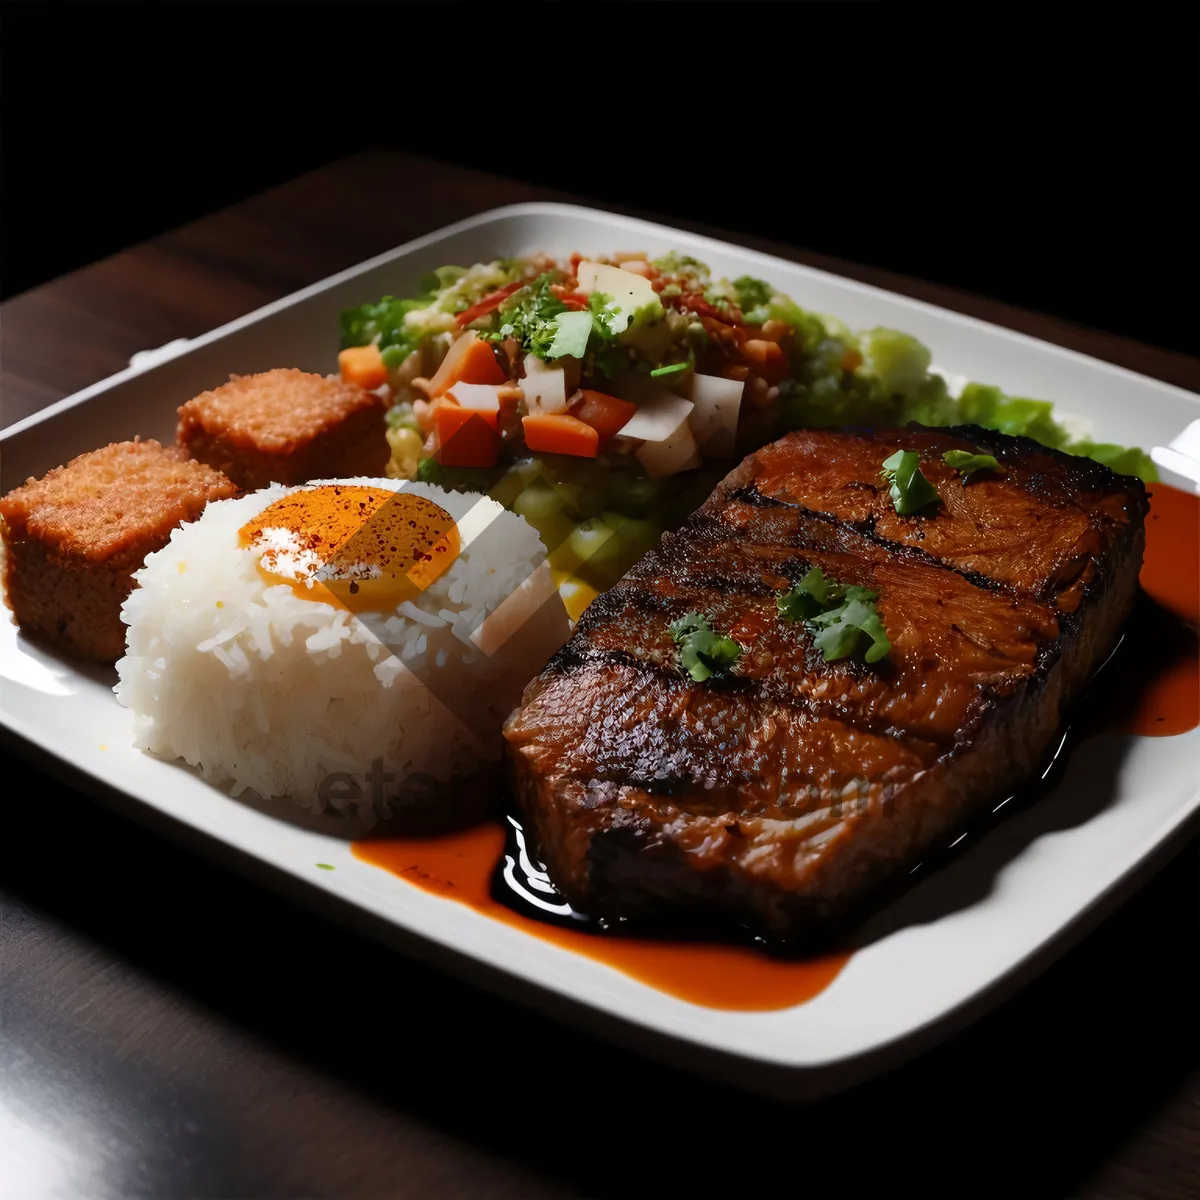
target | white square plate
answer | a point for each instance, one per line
(938, 956)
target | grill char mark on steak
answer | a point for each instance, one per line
(780, 796)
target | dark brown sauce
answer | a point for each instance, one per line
(1150, 687)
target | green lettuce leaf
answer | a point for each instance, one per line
(571, 333)
(1124, 460)
(898, 361)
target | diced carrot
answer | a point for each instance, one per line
(605, 414)
(851, 360)
(469, 360)
(560, 433)
(768, 358)
(489, 303)
(362, 365)
(449, 401)
(465, 438)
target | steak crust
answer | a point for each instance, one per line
(781, 796)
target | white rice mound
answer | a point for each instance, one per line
(261, 690)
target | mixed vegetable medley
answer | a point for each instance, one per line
(601, 398)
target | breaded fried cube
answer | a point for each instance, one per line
(286, 426)
(73, 539)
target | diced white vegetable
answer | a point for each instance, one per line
(673, 454)
(659, 415)
(482, 397)
(662, 424)
(630, 294)
(714, 419)
(545, 387)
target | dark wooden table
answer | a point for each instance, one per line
(169, 1030)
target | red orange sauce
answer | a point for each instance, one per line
(1155, 691)
(1162, 702)
(460, 865)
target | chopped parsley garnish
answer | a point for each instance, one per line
(964, 462)
(529, 314)
(839, 631)
(545, 326)
(838, 616)
(910, 491)
(673, 369)
(703, 653)
(812, 595)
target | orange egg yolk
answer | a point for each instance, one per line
(363, 548)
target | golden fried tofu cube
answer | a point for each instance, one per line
(286, 426)
(73, 539)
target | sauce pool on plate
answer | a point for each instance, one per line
(1152, 686)
(460, 866)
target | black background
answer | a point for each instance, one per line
(1042, 160)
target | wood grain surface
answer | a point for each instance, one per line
(170, 1030)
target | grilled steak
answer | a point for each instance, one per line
(781, 793)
